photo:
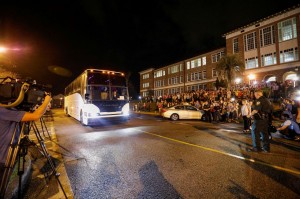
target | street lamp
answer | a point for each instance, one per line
(3, 49)
(7, 61)
(251, 77)
(60, 103)
(237, 81)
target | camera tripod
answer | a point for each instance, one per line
(19, 148)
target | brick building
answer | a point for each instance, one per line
(269, 48)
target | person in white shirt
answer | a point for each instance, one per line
(245, 111)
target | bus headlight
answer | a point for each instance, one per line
(125, 109)
(93, 114)
(92, 111)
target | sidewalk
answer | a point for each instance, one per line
(35, 181)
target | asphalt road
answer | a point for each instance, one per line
(151, 157)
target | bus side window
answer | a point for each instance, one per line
(115, 94)
(104, 93)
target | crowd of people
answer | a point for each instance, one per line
(232, 105)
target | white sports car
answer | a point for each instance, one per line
(182, 112)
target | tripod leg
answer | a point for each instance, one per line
(44, 124)
(47, 155)
(21, 165)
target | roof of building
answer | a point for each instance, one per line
(263, 19)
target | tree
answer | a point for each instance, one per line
(229, 67)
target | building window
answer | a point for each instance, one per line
(159, 73)
(199, 62)
(176, 80)
(192, 64)
(235, 45)
(188, 65)
(251, 63)
(196, 76)
(267, 36)
(287, 29)
(181, 69)
(192, 77)
(158, 93)
(250, 41)
(157, 84)
(200, 76)
(173, 80)
(145, 94)
(188, 77)
(181, 79)
(175, 69)
(146, 85)
(289, 55)
(181, 90)
(146, 76)
(268, 59)
(203, 61)
(204, 74)
(214, 72)
(216, 57)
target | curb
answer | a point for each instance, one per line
(40, 186)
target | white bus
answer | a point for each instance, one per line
(97, 94)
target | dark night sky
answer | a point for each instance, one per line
(119, 35)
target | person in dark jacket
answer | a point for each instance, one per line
(261, 112)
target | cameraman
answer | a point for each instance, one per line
(9, 119)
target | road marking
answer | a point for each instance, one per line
(227, 154)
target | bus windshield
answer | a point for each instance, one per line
(107, 93)
(103, 86)
(106, 79)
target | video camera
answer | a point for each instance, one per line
(22, 95)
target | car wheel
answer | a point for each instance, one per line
(174, 117)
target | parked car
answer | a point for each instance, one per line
(182, 112)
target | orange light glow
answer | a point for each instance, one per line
(2, 49)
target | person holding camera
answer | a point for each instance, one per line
(9, 124)
(261, 113)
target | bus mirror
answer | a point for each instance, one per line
(87, 96)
